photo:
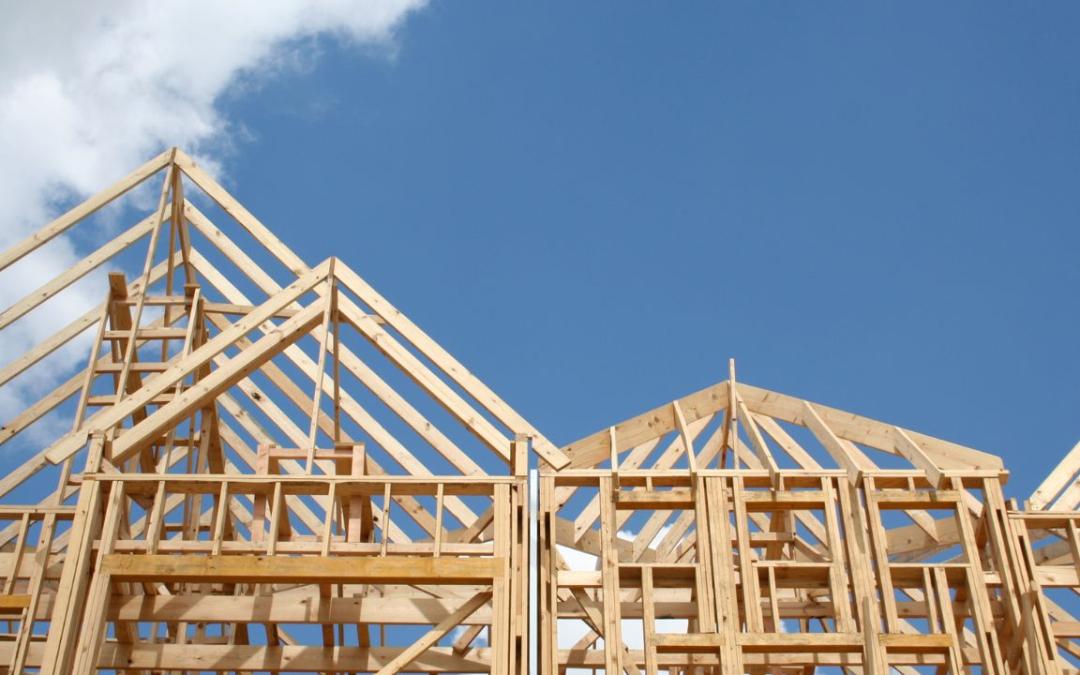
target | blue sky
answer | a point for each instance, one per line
(594, 205)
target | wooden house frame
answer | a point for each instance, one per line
(743, 530)
(269, 468)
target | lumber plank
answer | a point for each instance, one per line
(82, 210)
(303, 569)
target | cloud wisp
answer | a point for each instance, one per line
(89, 91)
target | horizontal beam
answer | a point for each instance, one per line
(13, 604)
(302, 570)
(594, 659)
(288, 607)
(292, 659)
(250, 484)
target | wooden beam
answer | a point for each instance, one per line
(302, 569)
(593, 449)
(1056, 480)
(86, 208)
(283, 659)
(917, 456)
(217, 382)
(109, 417)
(865, 431)
(77, 271)
(832, 443)
(290, 607)
(366, 375)
(429, 639)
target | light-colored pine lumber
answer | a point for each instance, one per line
(269, 444)
(80, 212)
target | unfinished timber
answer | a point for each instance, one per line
(260, 465)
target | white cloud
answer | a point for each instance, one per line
(91, 90)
